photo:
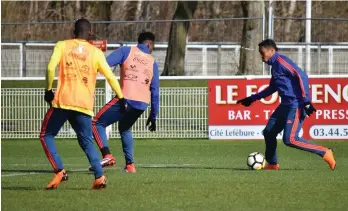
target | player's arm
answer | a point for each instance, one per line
(104, 69)
(118, 56)
(304, 86)
(52, 64)
(51, 69)
(264, 93)
(154, 88)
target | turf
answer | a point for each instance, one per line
(176, 175)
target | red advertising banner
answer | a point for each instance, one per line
(101, 44)
(228, 120)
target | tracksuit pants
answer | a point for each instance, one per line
(82, 125)
(290, 120)
(110, 114)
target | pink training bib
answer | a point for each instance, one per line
(136, 75)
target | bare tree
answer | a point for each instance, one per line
(249, 61)
(175, 58)
(288, 22)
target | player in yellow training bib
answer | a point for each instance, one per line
(140, 86)
(73, 100)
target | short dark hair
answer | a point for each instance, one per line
(268, 43)
(143, 36)
(82, 26)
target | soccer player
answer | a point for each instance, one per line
(140, 83)
(291, 82)
(79, 63)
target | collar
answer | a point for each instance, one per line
(143, 48)
(273, 59)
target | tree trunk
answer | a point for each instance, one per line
(249, 61)
(288, 23)
(78, 8)
(175, 58)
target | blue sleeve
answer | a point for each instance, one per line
(154, 88)
(118, 56)
(305, 83)
(266, 92)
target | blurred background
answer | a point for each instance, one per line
(204, 37)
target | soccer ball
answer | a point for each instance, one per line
(256, 161)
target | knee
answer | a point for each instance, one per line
(122, 129)
(268, 134)
(84, 140)
(95, 121)
(43, 135)
(288, 140)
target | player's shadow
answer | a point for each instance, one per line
(212, 168)
(194, 167)
(22, 188)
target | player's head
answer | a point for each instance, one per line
(148, 39)
(267, 49)
(82, 29)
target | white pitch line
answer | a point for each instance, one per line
(36, 164)
(21, 174)
(86, 169)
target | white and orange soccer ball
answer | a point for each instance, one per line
(256, 161)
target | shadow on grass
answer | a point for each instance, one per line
(22, 188)
(26, 171)
(42, 171)
(209, 168)
(42, 189)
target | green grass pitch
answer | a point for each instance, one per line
(175, 175)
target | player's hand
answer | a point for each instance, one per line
(122, 105)
(309, 108)
(246, 101)
(151, 123)
(49, 96)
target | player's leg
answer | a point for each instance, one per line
(53, 121)
(108, 115)
(82, 125)
(124, 127)
(291, 137)
(272, 129)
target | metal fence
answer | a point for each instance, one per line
(30, 59)
(183, 114)
(217, 52)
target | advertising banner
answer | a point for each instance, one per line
(101, 44)
(228, 120)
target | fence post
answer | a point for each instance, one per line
(330, 60)
(204, 61)
(219, 59)
(21, 63)
(270, 17)
(319, 54)
(300, 57)
(263, 37)
(108, 96)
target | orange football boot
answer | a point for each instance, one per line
(58, 177)
(272, 167)
(99, 183)
(107, 161)
(130, 168)
(330, 159)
